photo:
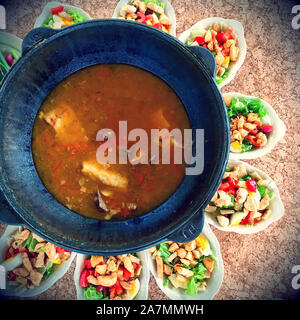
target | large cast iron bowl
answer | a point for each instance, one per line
(48, 57)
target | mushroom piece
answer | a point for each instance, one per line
(101, 206)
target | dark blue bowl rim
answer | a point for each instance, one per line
(197, 207)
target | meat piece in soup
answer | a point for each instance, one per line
(65, 123)
(64, 141)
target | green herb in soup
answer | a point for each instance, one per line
(64, 141)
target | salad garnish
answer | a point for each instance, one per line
(61, 17)
(243, 198)
(184, 265)
(111, 278)
(150, 12)
(222, 42)
(7, 58)
(249, 123)
(29, 260)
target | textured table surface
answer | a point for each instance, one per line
(256, 266)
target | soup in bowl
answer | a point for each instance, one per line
(65, 141)
(49, 58)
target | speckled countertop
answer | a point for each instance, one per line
(256, 266)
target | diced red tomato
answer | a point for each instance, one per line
(248, 219)
(251, 185)
(253, 140)
(11, 276)
(139, 178)
(142, 16)
(232, 191)
(205, 46)
(166, 26)
(10, 253)
(227, 35)
(266, 129)
(233, 182)
(224, 186)
(149, 18)
(83, 278)
(158, 26)
(220, 37)
(100, 288)
(200, 40)
(118, 287)
(61, 250)
(126, 274)
(256, 220)
(254, 132)
(91, 272)
(21, 249)
(57, 10)
(225, 53)
(88, 263)
(134, 266)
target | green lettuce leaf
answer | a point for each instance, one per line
(48, 22)
(246, 145)
(77, 17)
(164, 253)
(48, 270)
(159, 3)
(262, 190)
(196, 279)
(90, 293)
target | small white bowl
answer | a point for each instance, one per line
(53, 4)
(143, 278)
(59, 272)
(10, 41)
(276, 205)
(213, 284)
(273, 138)
(239, 32)
(170, 13)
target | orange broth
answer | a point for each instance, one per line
(64, 137)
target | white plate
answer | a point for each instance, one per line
(276, 206)
(213, 284)
(273, 138)
(59, 272)
(53, 4)
(10, 41)
(143, 278)
(169, 11)
(239, 32)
